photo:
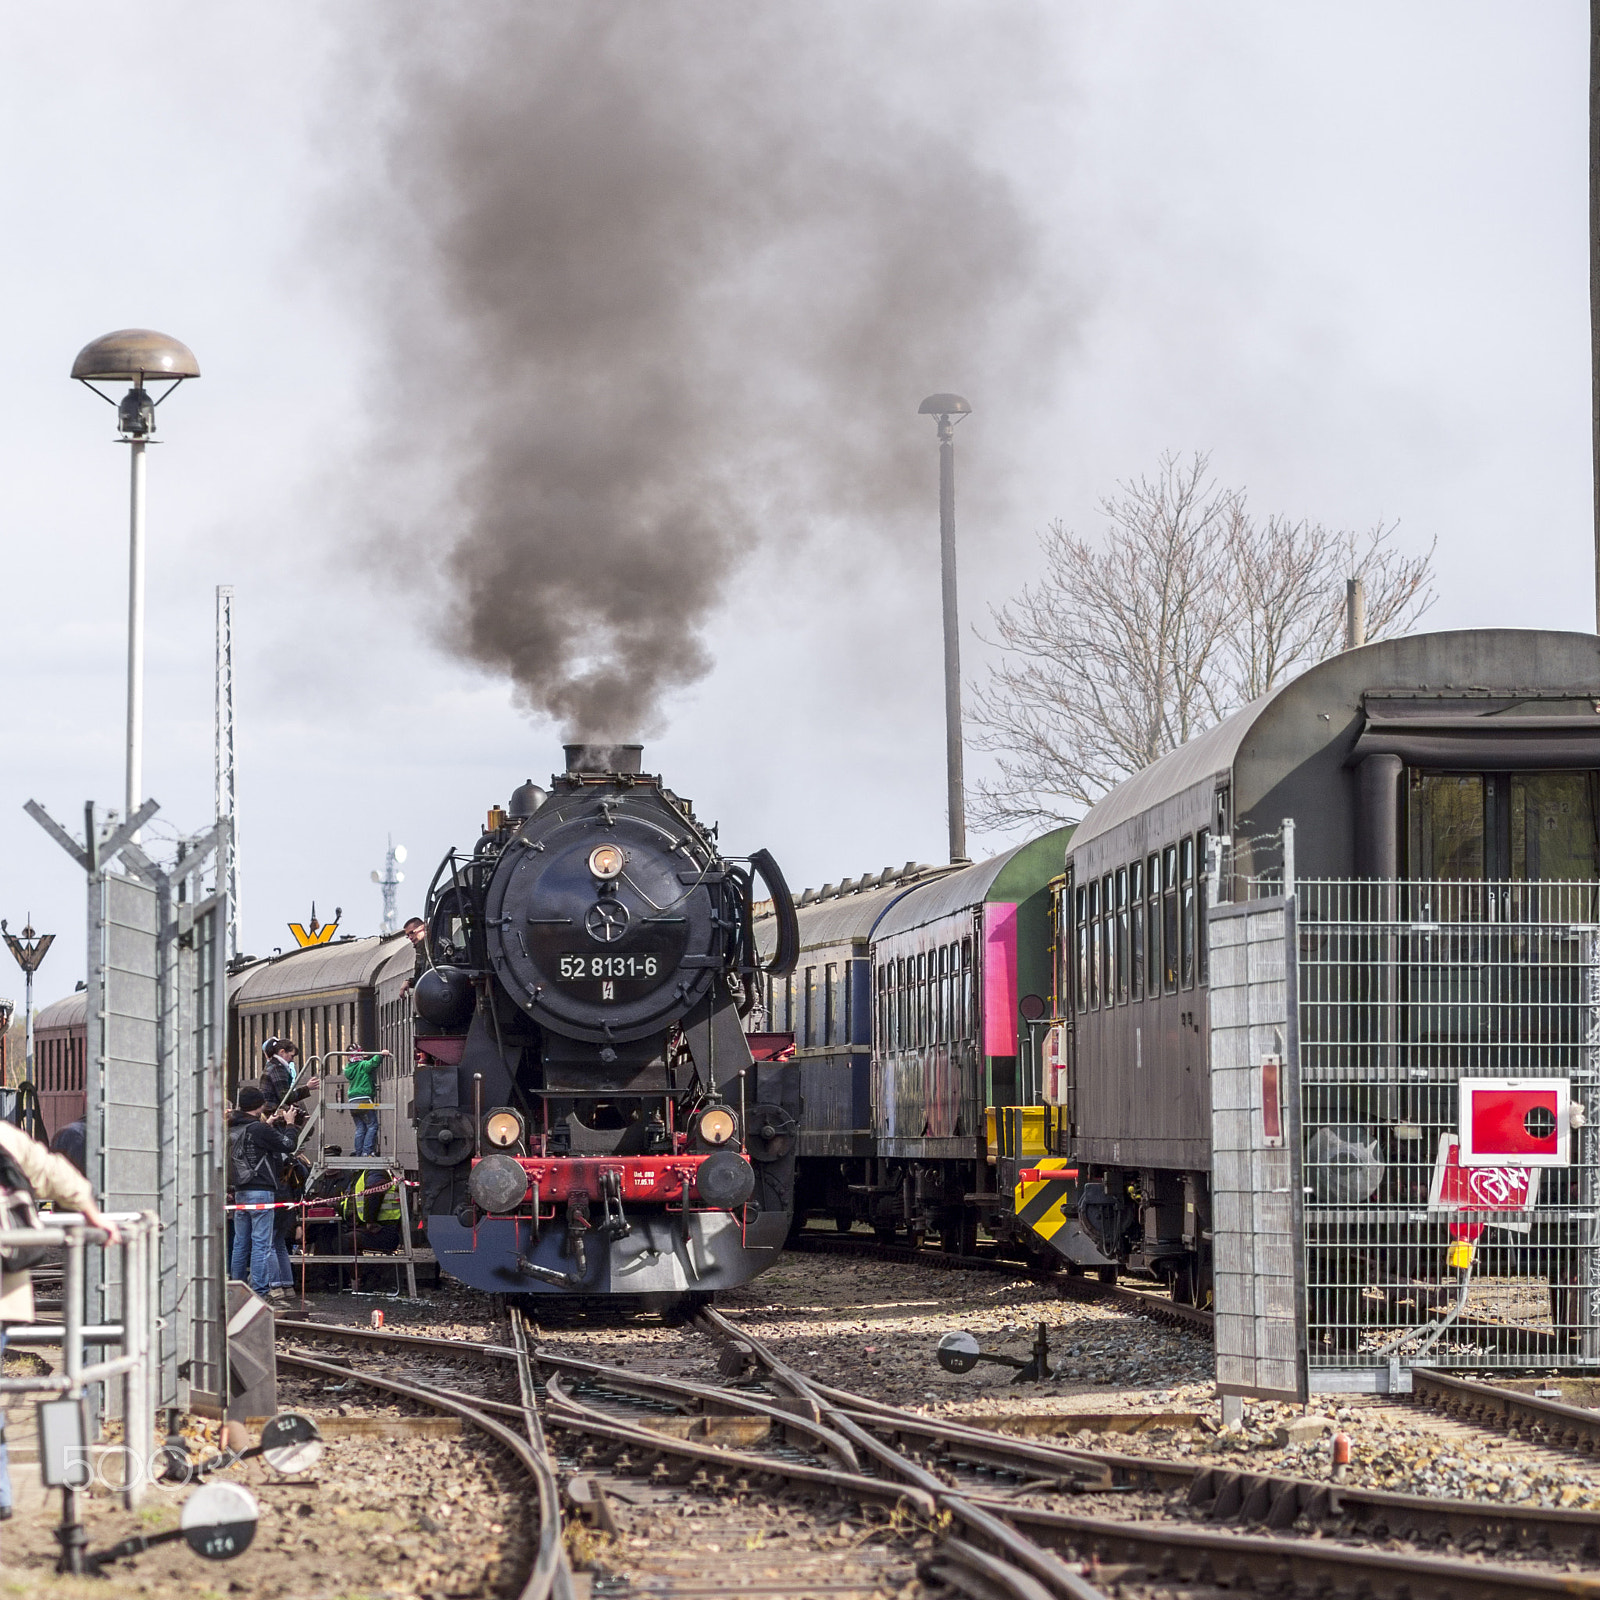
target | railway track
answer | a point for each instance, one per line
(806, 1438)
(550, 1577)
(1153, 1303)
(1488, 1405)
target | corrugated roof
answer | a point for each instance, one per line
(330, 966)
(930, 901)
(73, 1011)
(1204, 756)
(837, 920)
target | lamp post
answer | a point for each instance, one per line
(131, 356)
(30, 949)
(945, 407)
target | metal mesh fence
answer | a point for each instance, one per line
(1434, 1237)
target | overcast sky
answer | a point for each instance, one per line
(1340, 247)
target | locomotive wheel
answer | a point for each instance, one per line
(885, 1235)
(844, 1221)
(1107, 1275)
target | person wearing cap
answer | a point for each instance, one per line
(257, 1146)
(51, 1177)
(360, 1088)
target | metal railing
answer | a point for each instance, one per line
(135, 1338)
(1415, 1256)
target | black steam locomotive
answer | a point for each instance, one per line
(591, 1117)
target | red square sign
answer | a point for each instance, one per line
(1521, 1120)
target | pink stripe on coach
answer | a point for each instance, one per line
(1000, 979)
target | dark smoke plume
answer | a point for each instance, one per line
(661, 281)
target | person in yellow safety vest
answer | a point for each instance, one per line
(374, 1218)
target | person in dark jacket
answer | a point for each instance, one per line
(416, 930)
(72, 1142)
(257, 1147)
(280, 1080)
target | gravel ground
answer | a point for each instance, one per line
(417, 1517)
(410, 1515)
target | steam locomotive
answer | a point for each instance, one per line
(591, 1116)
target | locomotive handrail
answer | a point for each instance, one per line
(786, 952)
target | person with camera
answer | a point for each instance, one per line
(28, 1173)
(258, 1144)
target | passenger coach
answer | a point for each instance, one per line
(1435, 804)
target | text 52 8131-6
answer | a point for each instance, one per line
(587, 966)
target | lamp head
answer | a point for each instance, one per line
(131, 355)
(944, 405)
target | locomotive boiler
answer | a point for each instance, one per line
(591, 1117)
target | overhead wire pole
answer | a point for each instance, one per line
(227, 795)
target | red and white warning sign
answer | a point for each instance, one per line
(1456, 1188)
(1521, 1120)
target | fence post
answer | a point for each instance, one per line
(135, 1289)
(71, 1532)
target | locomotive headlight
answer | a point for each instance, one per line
(606, 861)
(716, 1125)
(502, 1128)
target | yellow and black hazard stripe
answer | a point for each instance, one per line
(1043, 1196)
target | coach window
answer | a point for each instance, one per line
(1169, 919)
(830, 1004)
(1108, 938)
(1202, 846)
(1553, 825)
(948, 956)
(913, 1002)
(1136, 930)
(809, 1013)
(1447, 825)
(952, 988)
(1152, 888)
(1122, 934)
(1186, 882)
(969, 1010)
(1094, 946)
(1080, 940)
(924, 998)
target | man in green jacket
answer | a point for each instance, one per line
(360, 1087)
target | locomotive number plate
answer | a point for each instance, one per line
(586, 966)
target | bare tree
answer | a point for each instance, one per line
(1288, 582)
(1187, 609)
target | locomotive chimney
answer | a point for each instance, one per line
(620, 758)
